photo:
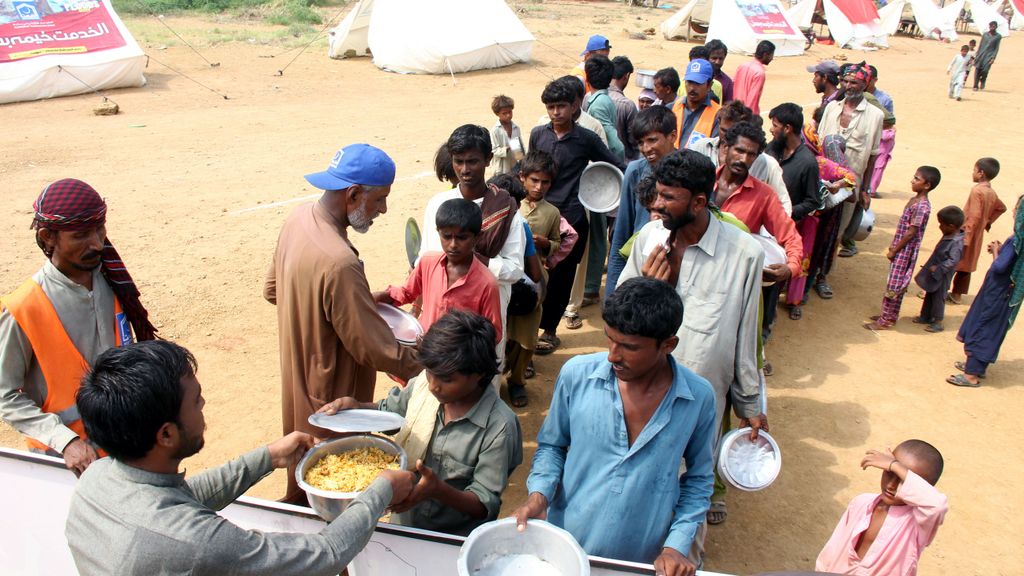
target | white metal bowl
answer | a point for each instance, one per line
(600, 187)
(749, 466)
(645, 78)
(494, 541)
(329, 504)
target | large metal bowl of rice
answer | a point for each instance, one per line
(499, 549)
(330, 503)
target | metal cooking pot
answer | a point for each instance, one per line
(867, 224)
(500, 538)
(328, 504)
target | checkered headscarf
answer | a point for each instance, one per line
(72, 205)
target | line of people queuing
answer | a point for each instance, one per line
(687, 310)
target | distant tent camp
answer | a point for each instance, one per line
(57, 48)
(740, 24)
(982, 14)
(432, 36)
(853, 23)
(933, 22)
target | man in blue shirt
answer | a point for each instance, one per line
(613, 480)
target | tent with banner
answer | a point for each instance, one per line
(57, 48)
(432, 36)
(740, 24)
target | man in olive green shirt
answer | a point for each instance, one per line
(464, 439)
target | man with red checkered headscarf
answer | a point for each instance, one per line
(80, 303)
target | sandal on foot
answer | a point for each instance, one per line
(953, 299)
(848, 251)
(824, 290)
(530, 371)
(546, 345)
(920, 320)
(796, 313)
(962, 366)
(573, 322)
(961, 380)
(517, 394)
(717, 513)
(767, 369)
(934, 327)
(876, 326)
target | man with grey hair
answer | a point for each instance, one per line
(332, 340)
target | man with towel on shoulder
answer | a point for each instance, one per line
(332, 340)
(464, 440)
(52, 327)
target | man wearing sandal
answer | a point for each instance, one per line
(716, 269)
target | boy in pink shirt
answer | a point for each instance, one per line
(885, 534)
(453, 279)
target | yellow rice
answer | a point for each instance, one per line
(351, 471)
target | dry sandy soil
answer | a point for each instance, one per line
(198, 187)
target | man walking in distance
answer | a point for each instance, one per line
(80, 303)
(332, 340)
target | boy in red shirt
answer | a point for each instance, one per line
(453, 279)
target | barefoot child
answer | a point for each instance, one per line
(474, 438)
(905, 245)
(982, 209)
(885, 534)
(506, 141)
(935, 275)
(453, 279)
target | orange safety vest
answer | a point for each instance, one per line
(701, 129)
(61, 363)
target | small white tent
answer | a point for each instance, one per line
(740, 24)
(433, 36)
(54, 48)
(855, 24)
(933, 22)
(982, 14)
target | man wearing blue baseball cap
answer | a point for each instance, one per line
(332, 340)
(696, 113)
(596, 45)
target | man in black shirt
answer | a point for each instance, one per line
(800, 173)
(573, 148)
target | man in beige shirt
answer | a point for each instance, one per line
(332, 340)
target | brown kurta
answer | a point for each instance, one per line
(332, 341)
(982, 209)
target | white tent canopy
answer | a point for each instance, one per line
(740, 24)
(61, 48)
(433, 36)
(982, 14)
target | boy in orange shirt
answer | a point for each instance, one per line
(982, 209)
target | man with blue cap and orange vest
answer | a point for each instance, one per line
(52, 327)
(332, 340)
(697, 113)
(596, 44)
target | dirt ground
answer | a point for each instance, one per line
(198, 187)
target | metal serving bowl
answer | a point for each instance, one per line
(329, 504)
(494, 540)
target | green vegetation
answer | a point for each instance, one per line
(295, 14)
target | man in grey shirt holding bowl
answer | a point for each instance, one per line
(135, 513)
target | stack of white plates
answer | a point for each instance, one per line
(773, 252)
(358, 420)
(747, 465)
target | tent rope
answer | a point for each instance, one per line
(315, 38)
(186, 76)
(161, 20)
(86, 84)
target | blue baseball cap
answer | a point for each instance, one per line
(596, 42)
(699, 71)
(355, 164)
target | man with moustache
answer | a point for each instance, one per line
(332, 340)
(697, 113)
(612, 476)
(80, 303)
(715, 268)
(825, 80)
(860, 124)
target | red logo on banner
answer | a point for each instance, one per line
(39, 31)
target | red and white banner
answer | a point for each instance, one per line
(764, 18)
(37, 30)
